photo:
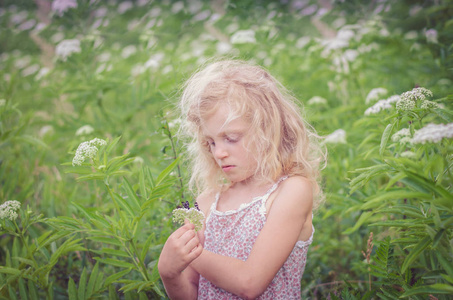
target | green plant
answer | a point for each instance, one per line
(407, 194)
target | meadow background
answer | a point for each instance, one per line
(73, 71)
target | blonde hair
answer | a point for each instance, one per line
(284, 142)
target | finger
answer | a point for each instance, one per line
(191, 244)
(182, 230)
(187, 236)
(195, 253)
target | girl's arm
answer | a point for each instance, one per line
(179, 279)
(249, 279)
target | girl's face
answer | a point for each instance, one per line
(227, 142)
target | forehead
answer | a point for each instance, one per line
(224, 121)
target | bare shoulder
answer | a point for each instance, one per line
(205, 200)
(296, 190)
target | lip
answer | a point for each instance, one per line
(227, 168)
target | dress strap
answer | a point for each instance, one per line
(273, 188)
(269, 192)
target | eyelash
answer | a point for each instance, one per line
(229, 140)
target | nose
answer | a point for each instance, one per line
(220, 152)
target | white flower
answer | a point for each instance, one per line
(87, 150)
(195, 6)
(393, 99)
(195, 216)
(377, 107)
(375, 94)
(177, 7)
(411, 35)
(84, 130)
(22, 62)
(397, 136)
(405, 105)
(30, 70)
(8, 210)
(125, 6)
(128, 51)
(42, 72)
(61, 6)
(138, 160)
(66, 47)
(426, 104)
(409, 99)
(223, 47)
(317, 100)
(408, 154)
(57, 37)
(243, 37)
(415, 94)
(302, 42)
(27, 25)
(431, 36)
(336, 137)
(19, 17)
(433, 133)
(201, 16)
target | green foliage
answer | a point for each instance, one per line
(96, 230)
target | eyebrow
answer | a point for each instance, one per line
(227, 133)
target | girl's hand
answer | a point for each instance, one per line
(181, 248)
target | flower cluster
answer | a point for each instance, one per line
(419, 93)
(409, 154)
(61, 6)
(84, 130)
(375, 94)
(317, 100)
(87, 149)
(409, 100)
(336, 137)
(243, 37)
(433, 133)
(8, 210)
(66, 47)
(194, 215)
(403, 136)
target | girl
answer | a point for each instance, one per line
(256, 163)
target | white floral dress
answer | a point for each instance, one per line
(233, 233)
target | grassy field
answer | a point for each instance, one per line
(374, 78)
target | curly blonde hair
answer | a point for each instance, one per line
(285, 143)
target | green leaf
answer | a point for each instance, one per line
(112, 144)
(437, 288)
(133, 200)
(415, 253)
(116, 276)
(106, 240)
(22, 290)
(115, 262)
(72, 290)
(82, 284)
(11, 271)
(146, 246)
(166, 171)
(110, 251)
(12, 293)
(363, 217)
(378, 199)
(123, 204)
(112, 293)
(143, 190)
(385, 138)
(33, 292)
(92, 281)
